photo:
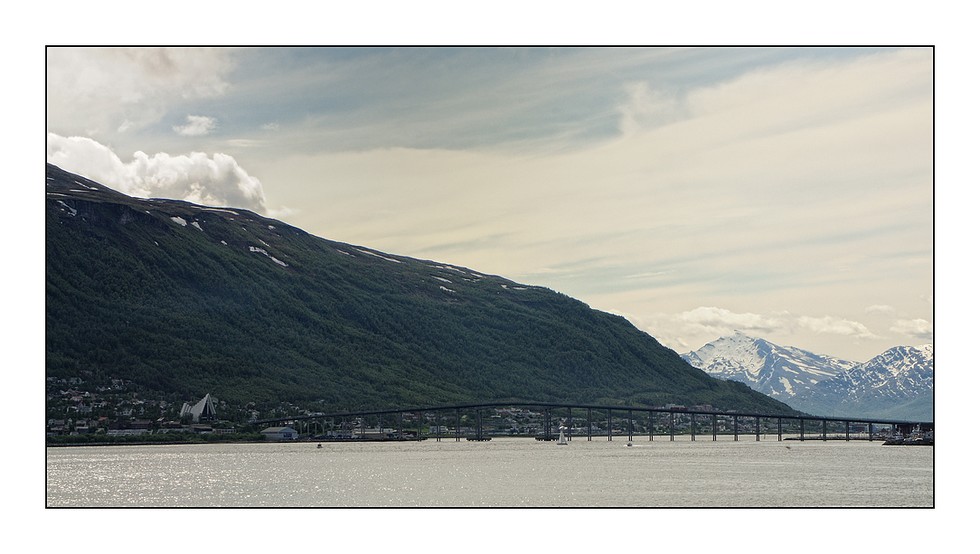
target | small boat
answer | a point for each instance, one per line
(319, 446)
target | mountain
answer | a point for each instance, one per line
(781, 372)
(897, 384)
(187, 300)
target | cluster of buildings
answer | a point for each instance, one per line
(114, 409)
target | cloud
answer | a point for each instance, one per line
(95, 91)
(648, 108)
(215, 180)
(917, 328)
(197, 125)
(725, 321)
(882, 309)
(835, 326)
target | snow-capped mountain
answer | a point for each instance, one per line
(782, 372)
(897, 384)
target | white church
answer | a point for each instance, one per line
(202, 411)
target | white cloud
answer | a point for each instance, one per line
(917, 328)
(197, 125)
(648, 108)
(720, 320)
(882, 309)
(215, 180)
(835, 326)
(95, 91)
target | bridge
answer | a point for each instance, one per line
(543, 420)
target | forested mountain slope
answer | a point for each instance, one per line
(187, 300)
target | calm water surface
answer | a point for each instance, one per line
(506, 472)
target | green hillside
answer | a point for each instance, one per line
(187, 300)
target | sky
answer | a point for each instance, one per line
(784, 192)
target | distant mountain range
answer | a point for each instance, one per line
(187, 300)
(897, 384)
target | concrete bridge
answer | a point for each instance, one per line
(446, 422)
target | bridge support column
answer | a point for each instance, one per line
(693, 426)
(457, 424)
(757, 430)
(801, 430)
(629, 414)
(825, 429)
(609, 425)
(479, 424)
(418, 437)
(714, 427)
(735, 419)
(650, 424)
(671, 426)
(779, 428)
(847, 430)
(590, 424)
(871, 435)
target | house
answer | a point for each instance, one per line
(280, 433)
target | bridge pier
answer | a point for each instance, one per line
(590, 424)
(609, 425)
(757, 429)
(714, 427)
(735, 424)
(650, 424)
(847, 430)
(779, 428)
(672, 426)
(693, 426)
(825, 429)
(457, 424)
(629, 414)
(802, 434)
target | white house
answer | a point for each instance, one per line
(280, 433)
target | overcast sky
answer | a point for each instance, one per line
(784, 192)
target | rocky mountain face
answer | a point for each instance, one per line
(188, 300)
(897, 384)
(778, 371)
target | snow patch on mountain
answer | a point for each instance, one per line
(264, 252)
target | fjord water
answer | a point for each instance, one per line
(505, 472)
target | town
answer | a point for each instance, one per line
(116, 411)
